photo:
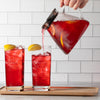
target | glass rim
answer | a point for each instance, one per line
(47, 48)
(23, 47)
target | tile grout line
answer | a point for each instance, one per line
(41, 24)
(7, 24)
(56, 66)
(7, 19)
(92, 78)
(44, 11)
(19, 5)
(80, 66)
(19, 30)
(92, 30)
(92, 36)
(68, 78)
(32, 19)
(92, 54)
(68, 58)
(93, 6)
(44, 6)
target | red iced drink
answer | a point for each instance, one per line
(67, 33)
(14, 66)
(41, 67)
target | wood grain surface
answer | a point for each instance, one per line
(57, 91)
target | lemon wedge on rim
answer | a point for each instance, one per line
(34, 47)
(9, 47)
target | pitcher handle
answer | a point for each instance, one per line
(64, 9)
(79, 10)
(80, 14)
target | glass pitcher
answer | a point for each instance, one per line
(65, 29)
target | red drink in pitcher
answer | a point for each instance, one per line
(67, 33)
(41, 68)
(14, 66)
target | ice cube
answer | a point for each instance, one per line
(46, 53)
(20, 47)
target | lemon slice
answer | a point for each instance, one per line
(34, 47)
(9, 47)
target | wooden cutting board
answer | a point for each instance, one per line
(58, 91)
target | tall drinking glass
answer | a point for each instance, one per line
(14, 68)
(41, 69)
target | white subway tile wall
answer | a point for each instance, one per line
(30, 30)
(96, 54)
(9, 5)
(96, 6)
(24, 41)
(20, 24)
(90, 67)
(9, 30)
(68, 66)
(90, 42)
(96, 78)
(62, 78)
(3, 18)
(19, 18)
(32, 5)
(2, 66)
(41, 17)
(88, 32)
(96, 30)
(80, 54)
(80, 78)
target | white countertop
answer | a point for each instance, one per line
(19, 97)
(14, 97)
(24, 97)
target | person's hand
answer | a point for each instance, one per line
(73, 3)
